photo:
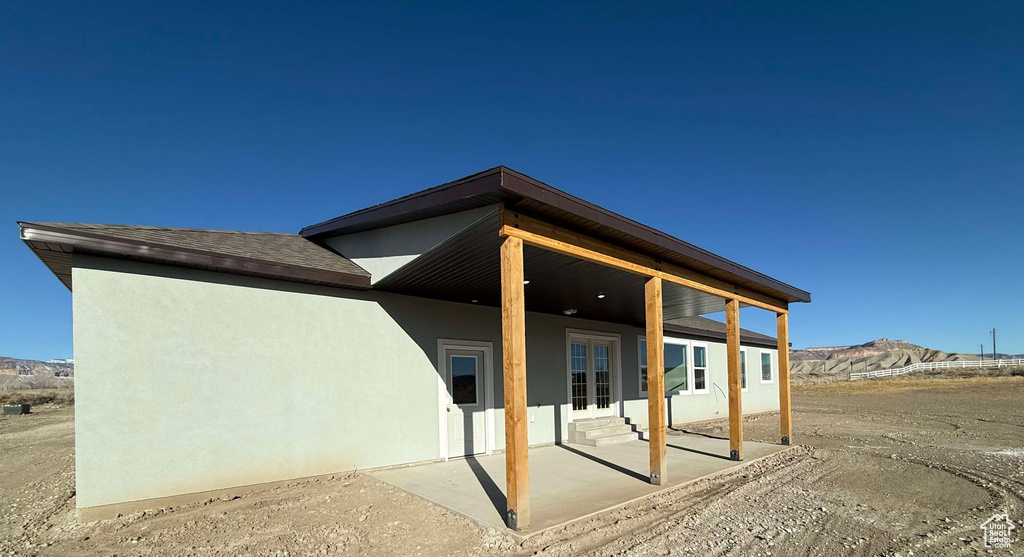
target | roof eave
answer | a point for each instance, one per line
(482, 182)
(67, 242)
(508, 182)
(525, 186)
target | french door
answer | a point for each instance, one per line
(591, 362)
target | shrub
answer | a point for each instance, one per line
(62, 397)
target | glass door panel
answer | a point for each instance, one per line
(602, 377)
(578, 374)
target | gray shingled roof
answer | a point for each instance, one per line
(702, 326)
(253, 253)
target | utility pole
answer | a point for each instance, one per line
(983, 351)
(994, 353)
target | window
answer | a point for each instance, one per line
(464, 379)
(700, 368)
(677, 373)
(677, 369)
(766, 367)
(743, 370)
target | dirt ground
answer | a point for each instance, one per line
(898, 466)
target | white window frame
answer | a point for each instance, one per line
(744, 359)
(760, 364)
(442, 391)
(689, 364)
(693, 369)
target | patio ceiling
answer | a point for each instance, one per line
(465, 268)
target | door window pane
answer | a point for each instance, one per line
(602, 376)
(676, 372)
(464, 379)
(578, 370)
(700, 368)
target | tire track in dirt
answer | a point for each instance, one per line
(611, 533)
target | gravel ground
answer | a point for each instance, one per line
(900, 466)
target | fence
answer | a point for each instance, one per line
(936, 365)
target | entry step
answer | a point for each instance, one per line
(598, 432)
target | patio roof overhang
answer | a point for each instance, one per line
(467, 268)
(545, 204)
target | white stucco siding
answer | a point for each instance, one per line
(384, 250)
(190, 380)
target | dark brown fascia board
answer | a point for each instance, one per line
(524, 186)
(516, 184)
(102, 244)
(471, 186)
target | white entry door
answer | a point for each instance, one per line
(590, 377)
(465, 410)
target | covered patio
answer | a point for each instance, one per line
(583, 261)
(569, 482)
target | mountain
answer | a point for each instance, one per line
(837, 362)
(52, 368)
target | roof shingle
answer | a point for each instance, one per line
(224, 250)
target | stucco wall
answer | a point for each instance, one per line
(190, 380)
(381, 251)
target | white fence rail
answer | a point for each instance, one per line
(936, 365)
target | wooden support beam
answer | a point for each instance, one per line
(553, 238)
(732, 347)
(785, 412)
(656, 380)
(513, 343)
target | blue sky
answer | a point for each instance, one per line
(873, 156)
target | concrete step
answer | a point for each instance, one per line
(613, 439)
(598, 432)
(604, 431)
(594, 423)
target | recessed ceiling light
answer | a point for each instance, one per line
(474, 301)
(600, 295)
(526, 281)
(569, 311)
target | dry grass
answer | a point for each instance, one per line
(61, 397)
(886, 385)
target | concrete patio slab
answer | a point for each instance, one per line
(567, 482)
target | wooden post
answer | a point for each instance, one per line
(785, 412)
(656, 380)
(513, 343)
(732, 347)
